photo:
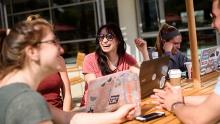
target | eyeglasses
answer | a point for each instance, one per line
(54, 41)
(109, 37)
(213, 17)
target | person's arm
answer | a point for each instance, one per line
(135, 69)
(142, 47)
(183, 59)
(206, 113)
(66, 91)
(59, 116)
(173, 62)
(89, 77)
(89, 67)
(195, 100)
(167, 47)
(124, 113)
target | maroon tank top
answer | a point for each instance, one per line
(50, 88)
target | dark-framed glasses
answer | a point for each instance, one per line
(109, 37)
(54, 41)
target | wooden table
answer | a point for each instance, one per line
(208, 83)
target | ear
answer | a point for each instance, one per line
(163, 41)
(32, 53)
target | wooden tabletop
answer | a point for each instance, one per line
(208, 84)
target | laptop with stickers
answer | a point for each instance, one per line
(109, 92)
(209, 60)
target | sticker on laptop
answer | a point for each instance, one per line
(162, 81)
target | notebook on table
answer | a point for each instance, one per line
(109, 92)
(209, 60)
(153, 75)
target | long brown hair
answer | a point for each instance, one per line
(25, 33)
(166, 33)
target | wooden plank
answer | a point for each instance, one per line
(193, 43)
(210, 76)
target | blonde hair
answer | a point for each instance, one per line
(25, 33)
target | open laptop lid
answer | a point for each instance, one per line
(153, 75)
(107, 93)
(209, 60)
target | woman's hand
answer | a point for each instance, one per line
(141, 44)
(168, 46)
(125, 112)
(142, 47)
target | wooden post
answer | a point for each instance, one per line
(193, 44)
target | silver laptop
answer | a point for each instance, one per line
(153, 75)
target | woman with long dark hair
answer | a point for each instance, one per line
(110, 55)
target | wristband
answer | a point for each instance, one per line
(173, 106)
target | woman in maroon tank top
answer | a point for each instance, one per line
(56, 90)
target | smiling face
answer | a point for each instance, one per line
(108, 42)
(50, 53)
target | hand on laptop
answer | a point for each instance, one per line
(134, 70)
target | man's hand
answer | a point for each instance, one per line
(165, 98)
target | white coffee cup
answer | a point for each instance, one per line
(189, 69)
(175, 77)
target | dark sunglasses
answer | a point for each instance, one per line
(109, 37)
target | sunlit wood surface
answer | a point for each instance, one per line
(207, 86)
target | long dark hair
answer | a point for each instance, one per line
(102, 59)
